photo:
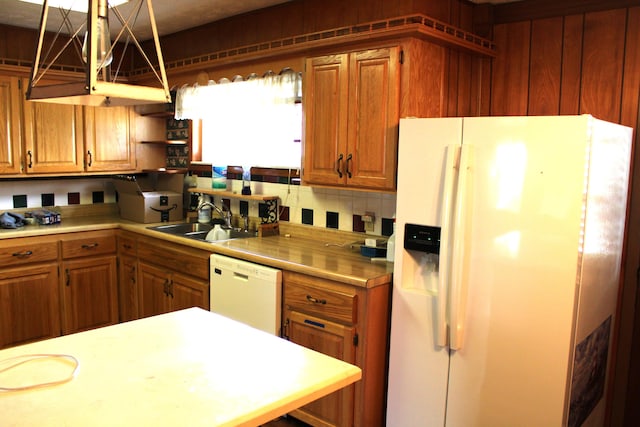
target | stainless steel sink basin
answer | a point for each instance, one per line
(198, 231)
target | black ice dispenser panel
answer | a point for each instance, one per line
(423, 238)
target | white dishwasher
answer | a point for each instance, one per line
(247, 292)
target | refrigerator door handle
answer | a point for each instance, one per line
(444, 266)
(458, 288)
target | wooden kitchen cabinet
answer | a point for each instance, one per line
(351, 104)
(29, 301)
(48, 138)
(162, 290)
(171, 277)
(108, 142)
(127, 276)
(349, 323)
(53, 138)
(11, 130)
(89, 280)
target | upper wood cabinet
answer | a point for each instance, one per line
(108, 142)
(47, 138)
(351, 107)
(10, 124)
(53, 138)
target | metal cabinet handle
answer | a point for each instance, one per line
(339, 165)
(89, 245)
(24, 254)
(168, 287)
(90, 156)
(316, 300)
(66, 272)
(133, 274)
(349, 162)
(30, 154)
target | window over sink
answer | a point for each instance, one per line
(252, 121)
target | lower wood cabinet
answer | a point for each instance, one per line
(349, 323)
(162, 290)
(127, 275)
(335, 340)
(89, 280)
(29, 297)
(171, 277)
(29, 305)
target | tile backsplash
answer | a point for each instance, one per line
(326, 208)
(320, 207)
(35, 193)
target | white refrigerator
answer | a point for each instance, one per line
(509, 234)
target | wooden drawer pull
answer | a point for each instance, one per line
(22, 254)
(316, 300)
(89, 246)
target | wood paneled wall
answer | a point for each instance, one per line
(576, 63)
(304, 17)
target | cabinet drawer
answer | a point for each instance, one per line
(180, 258)
(329, 303)
(27, 250)
(88, 244)
(127, 245)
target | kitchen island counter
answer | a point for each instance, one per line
(190, 367)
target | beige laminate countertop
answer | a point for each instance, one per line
(185, 368)
(300, 254)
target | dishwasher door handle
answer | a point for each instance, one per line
(240, 276)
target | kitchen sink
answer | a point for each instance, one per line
(198, 231)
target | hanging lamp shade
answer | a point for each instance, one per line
(103, 83)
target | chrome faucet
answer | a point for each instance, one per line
(226, 215)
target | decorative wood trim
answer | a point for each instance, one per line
(416, 25)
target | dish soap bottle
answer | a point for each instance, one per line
(391, 243)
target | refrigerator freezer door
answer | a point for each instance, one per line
(418, 371)
(529, 188)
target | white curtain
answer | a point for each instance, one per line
(255, 122)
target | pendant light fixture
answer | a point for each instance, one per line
(100, 84)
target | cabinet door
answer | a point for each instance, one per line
(325, 110)
(29, 305)
(153, 290)
(90, 295)
(333, 339)
(374, 102)
(108, 145)
(187, 292)
(53, 138)
(128, 288)
(10, 125)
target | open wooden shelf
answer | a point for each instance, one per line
(233, 195)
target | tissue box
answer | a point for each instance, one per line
(153, 198)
